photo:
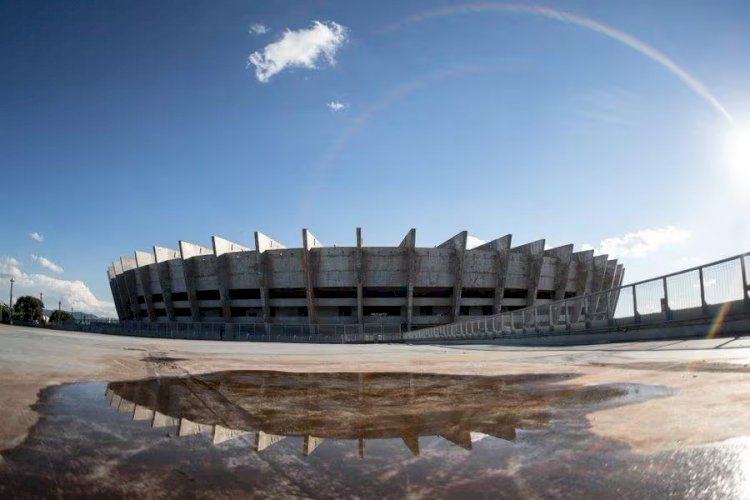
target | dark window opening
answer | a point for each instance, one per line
(345, 311)
(384, 292)
(287, 293)
(142, 314)
(179, 296)
(182, 312)
(486, 310)
(515, 293)
(382, 311)
(478, 293)
(545, 294)
(160, 313)
(208, 295)
(244, 293)
(425, 310)
(336, 293)
(210, 312)
(302, 311)
(569, 294)
(511, 308)
(463, 311)
(436, 292)
(241, 312)
(141, 299)
(157, 297)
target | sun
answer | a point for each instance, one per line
(737, 151)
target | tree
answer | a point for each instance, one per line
(4, 313)
(61, 317)
(28, 309)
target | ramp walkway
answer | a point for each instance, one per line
(704, 301)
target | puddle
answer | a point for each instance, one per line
(334, 435)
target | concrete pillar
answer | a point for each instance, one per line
(263, 440)
(119, 304)
(143, 276)
(584, 264)
(187, 252)
(309, 269)
(310, 443)
(458, 244)
(564, 257)
(598, 282)
(412, 442)
(129, 264)
(263, 243)
(501, 246)
(360, 265)
(222, 247)
(162, 256)
(409, 244)
(534, 253)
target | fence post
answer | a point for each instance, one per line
(549, 312)
(704, 304)
(636, 315)
(745, 298)
(667, 310)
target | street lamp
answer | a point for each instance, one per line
(10, 304)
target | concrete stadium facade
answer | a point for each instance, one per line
(406, 287)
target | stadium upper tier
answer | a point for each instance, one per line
(406, 286)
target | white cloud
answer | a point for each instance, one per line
(36, 236)
(47, 264)
(303, 48)
(259, 29)
(336, 106)
(642, 243)
(73, 294)
(473, 242)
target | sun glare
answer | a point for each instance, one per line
(737, 150)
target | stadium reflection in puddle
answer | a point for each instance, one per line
(318, 406)
(346, 435)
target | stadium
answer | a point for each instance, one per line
(399, 288)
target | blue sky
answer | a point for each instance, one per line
(129, 124)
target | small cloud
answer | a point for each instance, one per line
(47, 264)
(473, 242)
(641, 243)
(302, 48)
(336, 106)
(258, 29)
(36, 236)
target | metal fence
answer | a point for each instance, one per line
(258, 332)
(697, 293)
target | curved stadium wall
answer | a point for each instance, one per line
(402, 288)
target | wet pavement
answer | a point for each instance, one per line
(332, 435)
(86, 415)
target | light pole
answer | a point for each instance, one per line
(10, 304)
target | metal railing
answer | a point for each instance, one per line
(697, 293)
(258, 332)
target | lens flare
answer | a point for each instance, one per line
(577, 20)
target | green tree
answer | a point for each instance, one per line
(4, 313)
(28, 308)
(60, 317)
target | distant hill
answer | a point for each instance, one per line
(76, 314)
